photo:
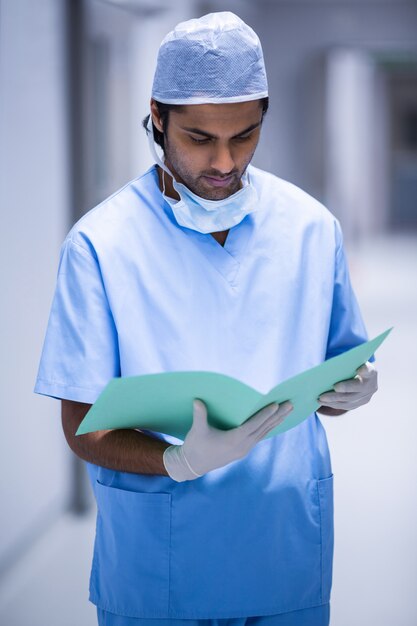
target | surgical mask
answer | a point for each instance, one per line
(207, 216)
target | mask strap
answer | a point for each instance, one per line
(163, 182)
(152, 146)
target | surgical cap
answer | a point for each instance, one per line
(214, 59)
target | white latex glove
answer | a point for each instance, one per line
(206, 448)
(349, 394)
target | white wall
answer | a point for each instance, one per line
(34, 216)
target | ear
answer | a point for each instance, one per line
(156, 119)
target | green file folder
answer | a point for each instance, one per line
(164, 402)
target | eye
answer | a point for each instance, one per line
(200, 141)
(243, 138)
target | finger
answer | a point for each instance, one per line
(358, 385)
(348, 386)
(350, 404)
(338, 396)
(274, 421)
(253, 422)
(364, 373)
(366, 370)
(199, 414)
(262, 432)
(275, 418)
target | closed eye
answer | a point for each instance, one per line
(195, 140)
(203, 137)
(240, 138)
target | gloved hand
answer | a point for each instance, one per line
(206, 448)
(349, 394)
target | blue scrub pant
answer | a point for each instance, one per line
(317, 616)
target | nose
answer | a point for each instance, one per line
(222, 160)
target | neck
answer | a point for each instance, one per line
(165, 182)
(220, 237)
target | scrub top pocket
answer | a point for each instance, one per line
(131, 561)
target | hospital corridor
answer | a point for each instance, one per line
(75, 84)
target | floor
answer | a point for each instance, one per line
(375, 467)
(49, 587)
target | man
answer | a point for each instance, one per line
(206, 263)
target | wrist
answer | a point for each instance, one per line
(176, 464)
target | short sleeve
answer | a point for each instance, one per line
(80, 352)
(347, 328)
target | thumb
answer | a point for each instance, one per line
(199, 415)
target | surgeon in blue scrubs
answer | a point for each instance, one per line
(205, 262)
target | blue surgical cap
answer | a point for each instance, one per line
(214, 59)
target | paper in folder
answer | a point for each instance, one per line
(163, 402)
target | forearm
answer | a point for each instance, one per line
(123, 451)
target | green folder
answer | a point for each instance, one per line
(163, 402)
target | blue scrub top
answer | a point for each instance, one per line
(137, 294)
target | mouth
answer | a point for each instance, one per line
(218, 182)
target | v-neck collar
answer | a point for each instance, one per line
(227, 259)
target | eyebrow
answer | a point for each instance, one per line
(198, 131)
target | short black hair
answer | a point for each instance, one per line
(164, 110)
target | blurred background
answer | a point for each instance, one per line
(75, 79)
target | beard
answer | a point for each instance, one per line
(197, 183)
